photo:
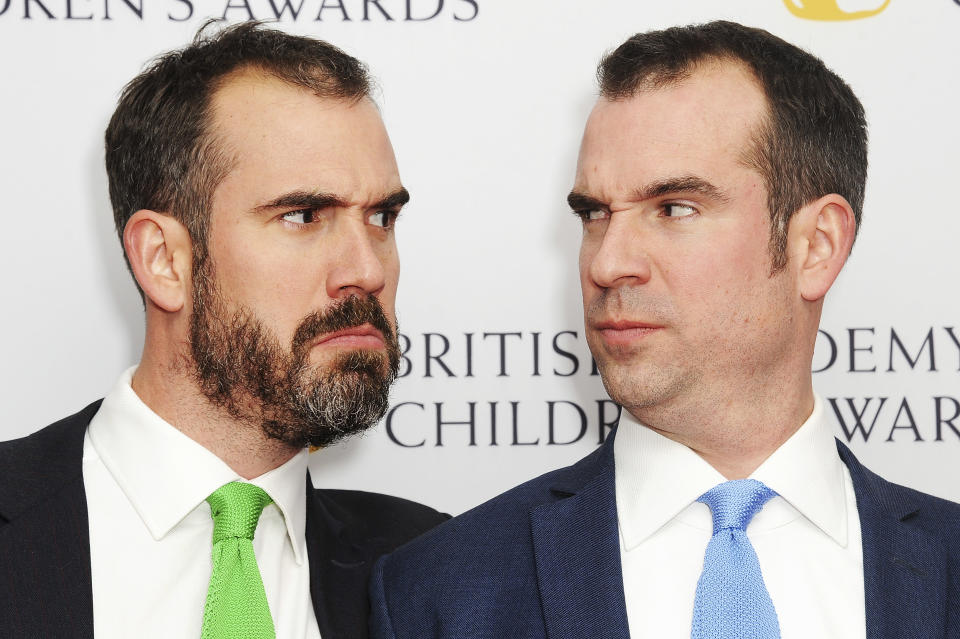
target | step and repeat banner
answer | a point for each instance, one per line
(485, 101)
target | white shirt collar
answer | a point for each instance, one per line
(657, 478)
(165, 475)
(808, 473)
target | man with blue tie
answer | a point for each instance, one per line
(720, 185)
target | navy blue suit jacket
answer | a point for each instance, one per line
(45, 577)
(543, 560)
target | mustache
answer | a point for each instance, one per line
(629, 302)
(348, 313)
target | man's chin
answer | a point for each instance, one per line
(641, 385)
(311, 435)
(326, 405)
(316, 425)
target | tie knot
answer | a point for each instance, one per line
(734, 503)
(236, 508)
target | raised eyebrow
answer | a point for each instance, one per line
(582, 202)
(304, 200)
(395, 200)
(682, 184)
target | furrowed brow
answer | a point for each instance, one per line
(682, 184)
(395, 200)
(304, 200)
(582, 202)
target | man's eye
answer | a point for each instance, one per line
(383, 219)
(591, 215)
(678, 210)
(300, 216)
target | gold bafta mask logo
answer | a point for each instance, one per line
(828, 10)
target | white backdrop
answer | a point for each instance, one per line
(485, 103)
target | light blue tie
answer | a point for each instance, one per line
(732, 602)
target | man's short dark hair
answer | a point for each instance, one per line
(814, 141)
(160, 151)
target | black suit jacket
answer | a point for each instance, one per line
(45, 583)
(542, 561)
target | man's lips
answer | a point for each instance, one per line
(624, 331)
(363, 336)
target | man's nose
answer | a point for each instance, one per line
(357, 264)
(619, 256)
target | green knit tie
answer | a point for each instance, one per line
(236, 602)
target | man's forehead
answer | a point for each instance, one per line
(707, 118)
(282, 138)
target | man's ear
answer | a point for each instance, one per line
(160, 253)
(820, 238)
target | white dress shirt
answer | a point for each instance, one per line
(807, 540)
(151, 531)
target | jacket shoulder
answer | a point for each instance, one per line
(374, 515)
(478, 569)
(37, 465)
(940, 517)
(44, 532)
(495, 533)
(58, 434)
(507, 514)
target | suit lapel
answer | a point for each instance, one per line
(904, 566)
(577, 553)
(45, 540)
(339, 571)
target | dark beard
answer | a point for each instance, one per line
(242, 368)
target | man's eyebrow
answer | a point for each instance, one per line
(322, 200)
(395, 200)
(304, 200)
(682, 184)
(579, 201)
(582, 202)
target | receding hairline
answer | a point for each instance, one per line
(657, 80)
(660, 80)
(257, 72)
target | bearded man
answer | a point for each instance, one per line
(255, 192)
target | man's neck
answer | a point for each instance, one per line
(734, 434)
(175, 396)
